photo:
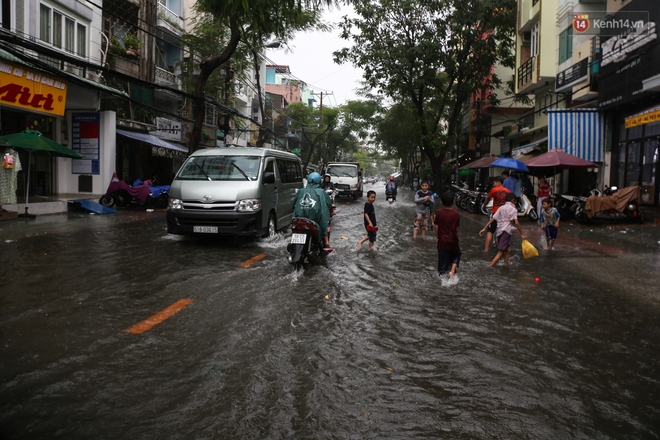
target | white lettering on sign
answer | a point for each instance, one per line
(617, 49)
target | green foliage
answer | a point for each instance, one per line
(429, 56)
(116, 48)
(131, 41)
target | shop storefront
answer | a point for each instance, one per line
(629, 94)
(141, 155)
(31, 100)
(636, 158)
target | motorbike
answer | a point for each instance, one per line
(524, 206)
(391, 198)
(140, 194)
(306, 245)
(621, 205)
(567, 205)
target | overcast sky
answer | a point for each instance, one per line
(310, 60)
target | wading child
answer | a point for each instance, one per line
(549, 222)
(498, 195)
(370, 220)
(446, 223)
(506, 217)
(423, 202)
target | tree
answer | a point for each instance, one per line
(433, 54)
(254, 22)
(355, 123)
(313, 126)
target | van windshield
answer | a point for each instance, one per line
(220, 168)
(342, 171)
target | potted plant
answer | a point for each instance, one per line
(116, 48)
(132, 45)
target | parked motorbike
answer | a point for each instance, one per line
(141, 194)
(524, 206)
(622, 205)
(567, 205)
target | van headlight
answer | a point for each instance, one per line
(249, 205)
(174, 204)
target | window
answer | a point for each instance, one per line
(5, 13)
(238, 168)
(57, 29)
(81, 35)
(44, 23)
(290, 171)
(69, 36)
(566, 44)
(61, 31)
(534, 46)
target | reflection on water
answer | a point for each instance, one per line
(394, 351)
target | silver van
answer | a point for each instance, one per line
(234, 191)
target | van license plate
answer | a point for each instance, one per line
(298, 238)
(205, 229)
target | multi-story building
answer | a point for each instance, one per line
(53, 48)
(536, 46)
(279, 80)
(629, 94)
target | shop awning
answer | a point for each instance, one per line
(578, 132)
(153, 140)
(524, 149)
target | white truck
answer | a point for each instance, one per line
(347, 178)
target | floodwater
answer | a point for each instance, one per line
(393, 352)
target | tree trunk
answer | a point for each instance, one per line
(207, 67)
(261, 138)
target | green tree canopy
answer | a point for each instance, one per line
(433, 54)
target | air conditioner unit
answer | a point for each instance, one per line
(527, 37)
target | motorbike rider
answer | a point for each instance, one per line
(391, 187)
(327, 184)
(314, 203)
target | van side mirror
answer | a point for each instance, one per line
(269, 177)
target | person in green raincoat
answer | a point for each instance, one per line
(313, 203)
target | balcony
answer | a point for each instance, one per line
(240, 94)
(527, 76)
(169, 21)
(165, 77)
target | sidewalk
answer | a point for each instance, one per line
(40, 205)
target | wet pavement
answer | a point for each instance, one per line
(393, 352)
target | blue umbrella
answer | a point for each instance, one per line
(511, 164)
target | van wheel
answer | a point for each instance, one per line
(272, 226)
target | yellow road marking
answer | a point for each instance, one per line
(159, 317)
(251, 261)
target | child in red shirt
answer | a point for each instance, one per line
(446, 223)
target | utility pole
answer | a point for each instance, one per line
(321, 108)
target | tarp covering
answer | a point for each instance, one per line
(577, 131)
(617, 201)
(524, 149)
(153, 140)
(94, 207)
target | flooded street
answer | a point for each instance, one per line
(394, 352)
